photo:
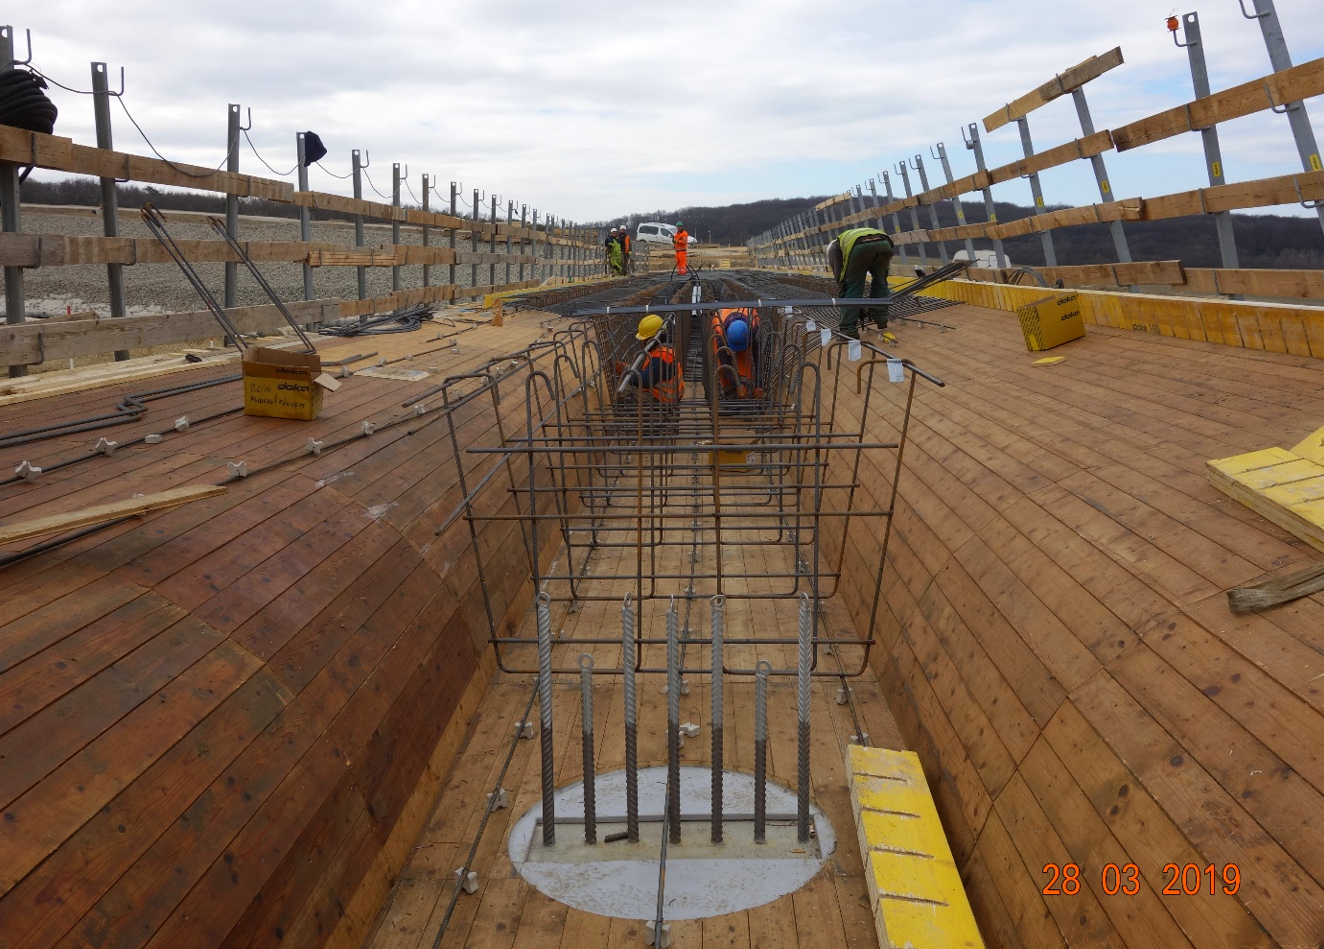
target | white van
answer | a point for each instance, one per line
(655, 232)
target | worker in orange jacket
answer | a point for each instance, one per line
(660, 372)
(627, 248)
(681, 244)
(736, 354)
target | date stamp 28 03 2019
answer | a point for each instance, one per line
(1187, 880)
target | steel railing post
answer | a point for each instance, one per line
(1045, 237)
(232, 203)
(956, 201)
(975, 145)
(110, 222)
(10, 215)
(357, 167)
(305, 213)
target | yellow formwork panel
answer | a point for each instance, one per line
(1298, 469)
(1312, 447)
(1251, 461)
(918, 899)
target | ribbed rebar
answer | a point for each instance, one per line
(590, 780)
(802, 711)
(761, 672)
(631, 724)
(673, 723)
(718, 623)
(545, 714)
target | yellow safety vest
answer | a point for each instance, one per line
(846, 241)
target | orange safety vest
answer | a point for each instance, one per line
(681, 241)
(743, 362)
(668, 390)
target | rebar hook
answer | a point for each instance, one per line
(19, 62)
(973, 140)
(1186, 18)
(121, 92)
(1301, 198)
(245, 128)
(942, 150)
(1277, 110)
(919, 162)
(1251, 16)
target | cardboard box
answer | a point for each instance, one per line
(282, 384)
(1051, 321)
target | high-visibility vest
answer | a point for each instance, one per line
(847, 240)
(666, 390)
(681, 241)
(743, 361)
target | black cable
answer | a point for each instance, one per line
(182, 171)
(53, 82)
(373, 186)
(24, 105)
(404, 320)
(281, 174)
(332, 173)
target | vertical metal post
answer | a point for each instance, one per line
(232, 203)
(914, 214)
(761, 671)
(933, 209)
(305, 213)
(533, 248)
(10, 216)
(1045, 237)
(473, 244)
(510, 220)
(1297, 116)
(523, 219)
(896, 218)
(956, 201)
(975, 145)
(110, 219)
(628, 662)
(802, 712)
(1101, 176)
(491, 268)
(454, 231)
(719, 625)
(1213, 154)
(545, 716)
(356, 162)
(395, 225)
(427, 231)
(673, 724)
(590, 780)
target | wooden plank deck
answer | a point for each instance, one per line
(1059, 648)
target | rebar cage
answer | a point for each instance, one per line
(614, 479)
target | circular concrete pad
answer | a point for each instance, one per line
(703, 879)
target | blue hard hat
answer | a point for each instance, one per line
(737, 335)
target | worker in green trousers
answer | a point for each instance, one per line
(854, 255)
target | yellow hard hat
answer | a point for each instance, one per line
(649, 327)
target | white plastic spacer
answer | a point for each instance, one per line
(105, 446)
(181, 424)
(468, 880)
(27, 471)
(314, 447)
(153, 439)
(502, 799)
(344, 372)
(420, 408)
(843, 696)
(650, 937)
(524, 729)
(369, 428)
(860, 739)
(239, 470)
(689, 729)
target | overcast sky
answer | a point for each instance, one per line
(590, 110)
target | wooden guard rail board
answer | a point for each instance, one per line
(1271, 91)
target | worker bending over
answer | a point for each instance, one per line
(854, 255)
(737, 362)
(660, 373)
(681, 244)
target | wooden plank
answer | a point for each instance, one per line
(1058, 86)
(102, 513)
(1276, 89)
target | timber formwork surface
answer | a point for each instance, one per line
(1057, 646)
(209, 729)
(832, 910)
